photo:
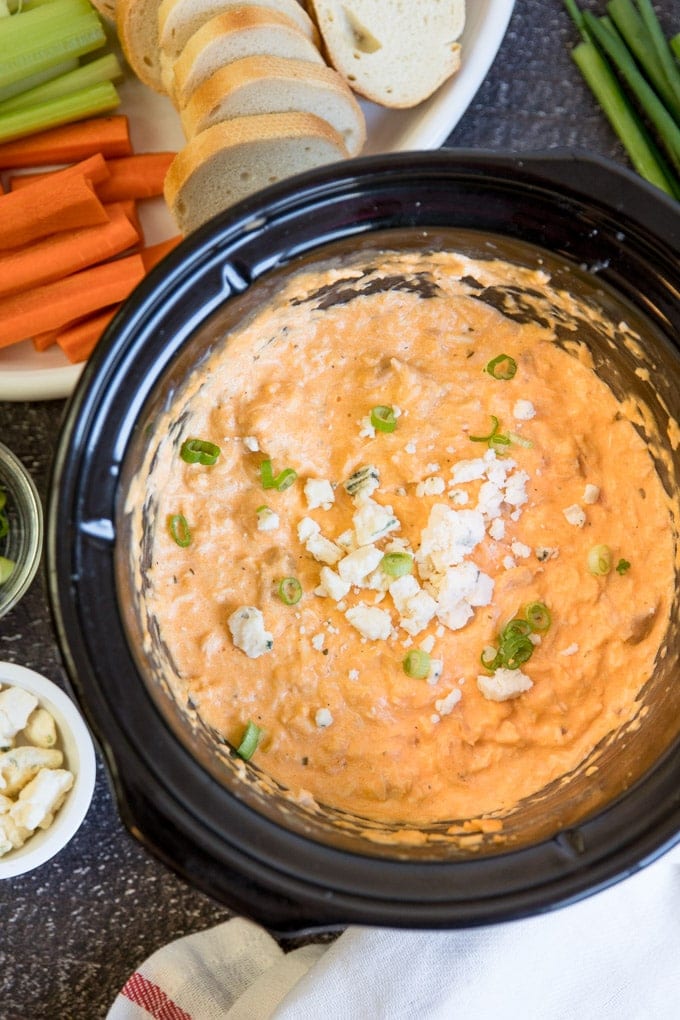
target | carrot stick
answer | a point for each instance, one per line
(79, 339)
(43, 341)
(42, 209)
(70, 142)
(55, 304)
(137, 176)
(94, 168)
(129, 207)
(64, 253)
(153, 253)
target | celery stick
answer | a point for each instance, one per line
(33, 80)
(636, 36)
(85, 102)
(663, 53)
(106, 68)
(605, 87)
(30, 22)
(64, 38)
(667, 130)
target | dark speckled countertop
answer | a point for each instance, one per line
(72, 931)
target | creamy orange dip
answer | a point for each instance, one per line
(490, 527)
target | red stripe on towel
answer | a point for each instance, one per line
(152, 998)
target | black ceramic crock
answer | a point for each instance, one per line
(595, 217)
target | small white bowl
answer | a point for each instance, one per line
(79, 757)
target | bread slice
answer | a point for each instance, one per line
(396, 54)
(242, 32)
(107, 8)
(137, 30)
(263, 84)
(179, 19)
(233, 159)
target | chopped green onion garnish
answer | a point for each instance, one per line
(290, 590)
(251, 738)
(3, 499)
(622, 567)
(179, 529)
(397, 564)
(4, 524)
(284, 479)
(6, 569)
(515, 646)
(491, 658)
(417, 664)
(538, 616)
(499, 442)
(502, 367)
(383, 418)
(280, 482)
(520, 440)
(600, 560)
(516, 651)
(516, 628)
(199, 451)
(494, 429)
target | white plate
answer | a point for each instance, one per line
(154, 126)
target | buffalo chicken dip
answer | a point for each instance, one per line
(410, 555)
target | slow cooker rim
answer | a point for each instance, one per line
(203, 240)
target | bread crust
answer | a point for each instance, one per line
(263, 142)
(244, 31)
(137, 30)
(265, 84)
(175, 18)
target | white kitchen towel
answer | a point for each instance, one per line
(612, 956)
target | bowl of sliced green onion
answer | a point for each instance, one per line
(21, 530)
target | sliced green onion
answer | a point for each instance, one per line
(179, 530)
(516, 628)
(515, 646)
(397, 564)
(516, 651)
(499, 442)
(280, 482)
(3, 499)
(6, 569)
(538, 616)
(251, 738)
(4, 524)
(520, 440)
(494, 429)
(289, 590)
(383, 418)
(417, 664)
(199, 451)
(285, 479)
(622, 567)
(502, 367)
(491, 658)
(600, 560)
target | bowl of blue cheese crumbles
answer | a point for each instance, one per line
(47, 769)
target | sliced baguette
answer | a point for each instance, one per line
(233, 159)
(179, 19)
(137, 30)
(395, 53)
(242, 32)
(263, 84)
(107, 8)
